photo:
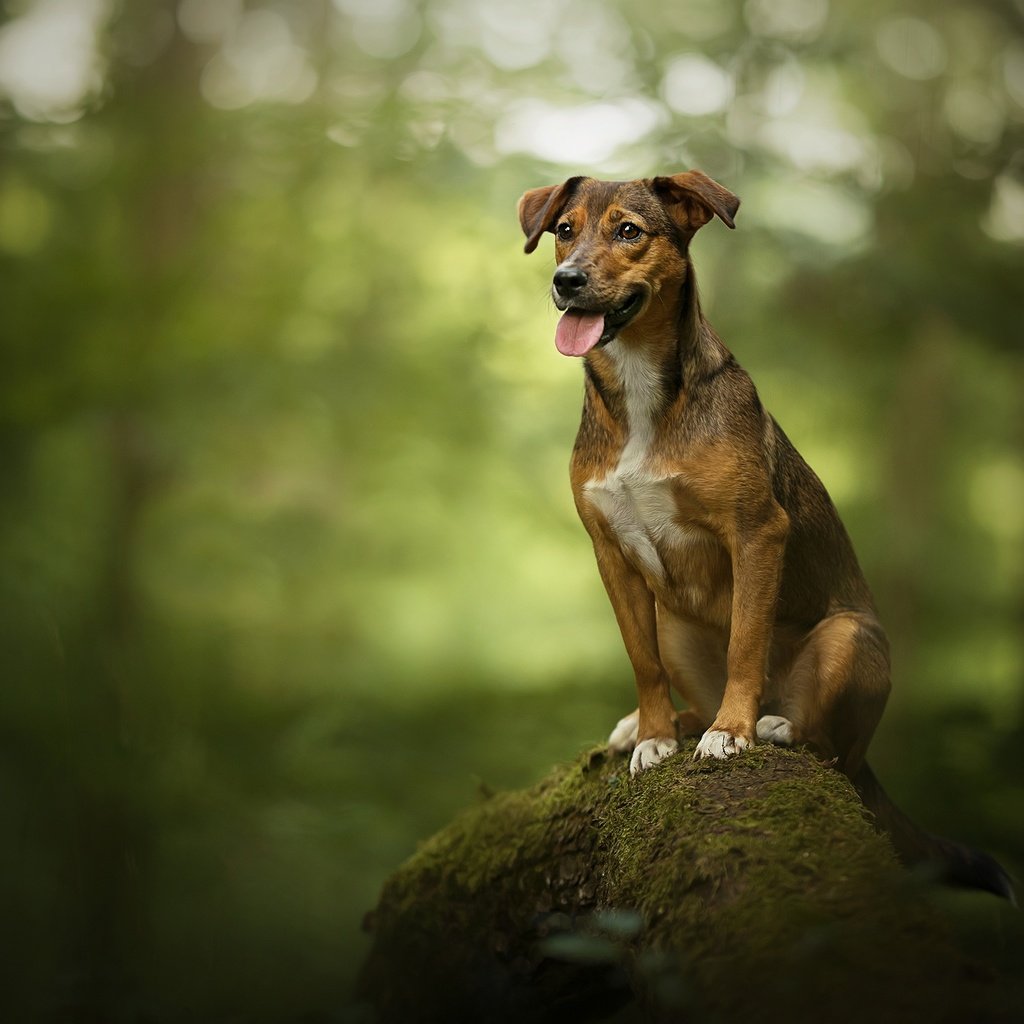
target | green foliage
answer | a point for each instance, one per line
(283, 435)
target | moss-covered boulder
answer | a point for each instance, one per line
(695, 891)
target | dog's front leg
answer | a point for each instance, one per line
(757, 554)
(634, 608)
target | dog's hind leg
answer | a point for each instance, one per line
(836, 688)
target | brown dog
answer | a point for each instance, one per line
(729, 570)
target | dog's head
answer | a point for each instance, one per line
(618, 244)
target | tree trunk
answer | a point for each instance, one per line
(694, 892)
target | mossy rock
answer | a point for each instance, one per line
(695, 891)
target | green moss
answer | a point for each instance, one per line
(688, 888)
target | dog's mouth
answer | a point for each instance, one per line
(581, 330)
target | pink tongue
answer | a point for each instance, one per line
(578, 333)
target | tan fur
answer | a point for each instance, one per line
(730, 573)
(703, 608)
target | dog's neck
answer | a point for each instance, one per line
(653, 361)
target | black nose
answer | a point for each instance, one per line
(569, 280)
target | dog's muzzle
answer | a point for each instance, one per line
(568, 281)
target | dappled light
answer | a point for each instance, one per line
(50, 62)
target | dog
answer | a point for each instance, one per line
(731, 575)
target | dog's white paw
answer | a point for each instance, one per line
(775, 729)
(719, 744)
(651, 752)
(623, 737)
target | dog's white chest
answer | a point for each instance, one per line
(640, 503)
(637, 504)
(641, 511)
(682, 562)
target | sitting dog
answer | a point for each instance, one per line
(731, 575)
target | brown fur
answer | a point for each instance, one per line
(746, 595)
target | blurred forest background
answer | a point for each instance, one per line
(289, 561)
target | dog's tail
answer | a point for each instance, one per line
(952, 863)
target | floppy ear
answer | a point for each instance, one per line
(693, 198)
(539, 209)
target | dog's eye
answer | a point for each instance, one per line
(564, 231)
(628, 230)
